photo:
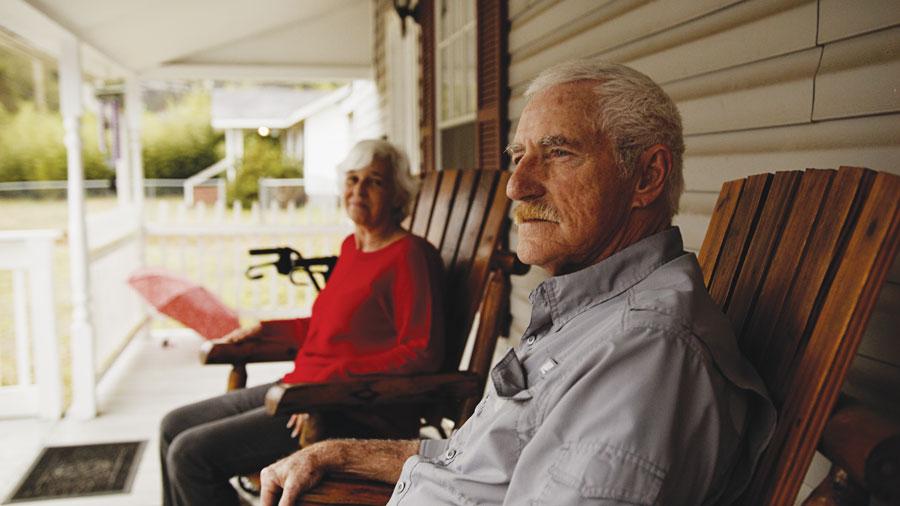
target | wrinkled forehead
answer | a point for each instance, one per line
(567, 110)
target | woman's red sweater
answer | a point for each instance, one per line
(380, 312)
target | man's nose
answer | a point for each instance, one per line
(525, 181)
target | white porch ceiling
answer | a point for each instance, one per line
(227, 39)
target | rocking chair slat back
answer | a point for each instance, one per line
(796, 260)
(464, 223)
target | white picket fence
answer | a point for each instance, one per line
(209, 245)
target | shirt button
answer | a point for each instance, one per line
(401, 486)
(530, 341)
(450, 455)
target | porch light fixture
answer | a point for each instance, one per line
(405, 9)
(263, 131)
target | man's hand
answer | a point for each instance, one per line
(240, 334)
(292, 475)
(380, 460)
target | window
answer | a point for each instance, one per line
(456, 75)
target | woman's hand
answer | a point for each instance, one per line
(240, 334)
(296, 421)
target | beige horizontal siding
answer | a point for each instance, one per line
(859, 76)
(837, 22)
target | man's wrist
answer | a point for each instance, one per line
(328, 455)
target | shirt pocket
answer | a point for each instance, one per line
(604, 472)
(487, 447)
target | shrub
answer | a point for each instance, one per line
(262, 158)
(31, 143)
(180, 141)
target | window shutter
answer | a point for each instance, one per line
(492, 123)
(425, 13)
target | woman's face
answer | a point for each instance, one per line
(369, 195)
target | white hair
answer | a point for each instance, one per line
(632, 110)
(406, 186)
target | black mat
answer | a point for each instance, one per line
(73, 471)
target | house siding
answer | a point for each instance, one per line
(382, 9)
(762, 85)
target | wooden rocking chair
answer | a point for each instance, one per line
(796, 260)
(463, 213)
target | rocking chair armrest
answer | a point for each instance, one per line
(867, 446)
(250, 350)
(418, 388)
(339, 488)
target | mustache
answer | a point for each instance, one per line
(525, 211)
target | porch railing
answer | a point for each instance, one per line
(209, 245)
(224, 165)
(115, 245)
(35, 388)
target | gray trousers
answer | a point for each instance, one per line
(202, 445)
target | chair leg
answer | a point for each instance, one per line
(237, 378)
(837, 489)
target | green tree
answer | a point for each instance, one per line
(262, 158)
(17, 79)
(32, 145)
(180, 141)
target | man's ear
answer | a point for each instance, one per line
(654, 166)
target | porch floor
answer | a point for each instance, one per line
(147, 382)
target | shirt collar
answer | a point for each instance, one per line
(560, 298)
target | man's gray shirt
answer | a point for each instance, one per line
(627, 388)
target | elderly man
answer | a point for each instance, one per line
(627, 387)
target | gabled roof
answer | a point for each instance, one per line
(271, 107)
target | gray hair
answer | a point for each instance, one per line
(405, 185)
(633, 111)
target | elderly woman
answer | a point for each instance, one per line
(380, 313)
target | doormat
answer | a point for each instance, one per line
(74, 471)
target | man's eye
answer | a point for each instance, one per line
(557, 152)
(516, 158)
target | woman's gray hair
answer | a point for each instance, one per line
(405, 185)
(633, 111)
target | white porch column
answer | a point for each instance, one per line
(234, 149)
(84, 402)
(134, 110)
(124, 172)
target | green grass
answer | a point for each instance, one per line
(24, 214)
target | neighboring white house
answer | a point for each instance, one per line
(317, 127)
